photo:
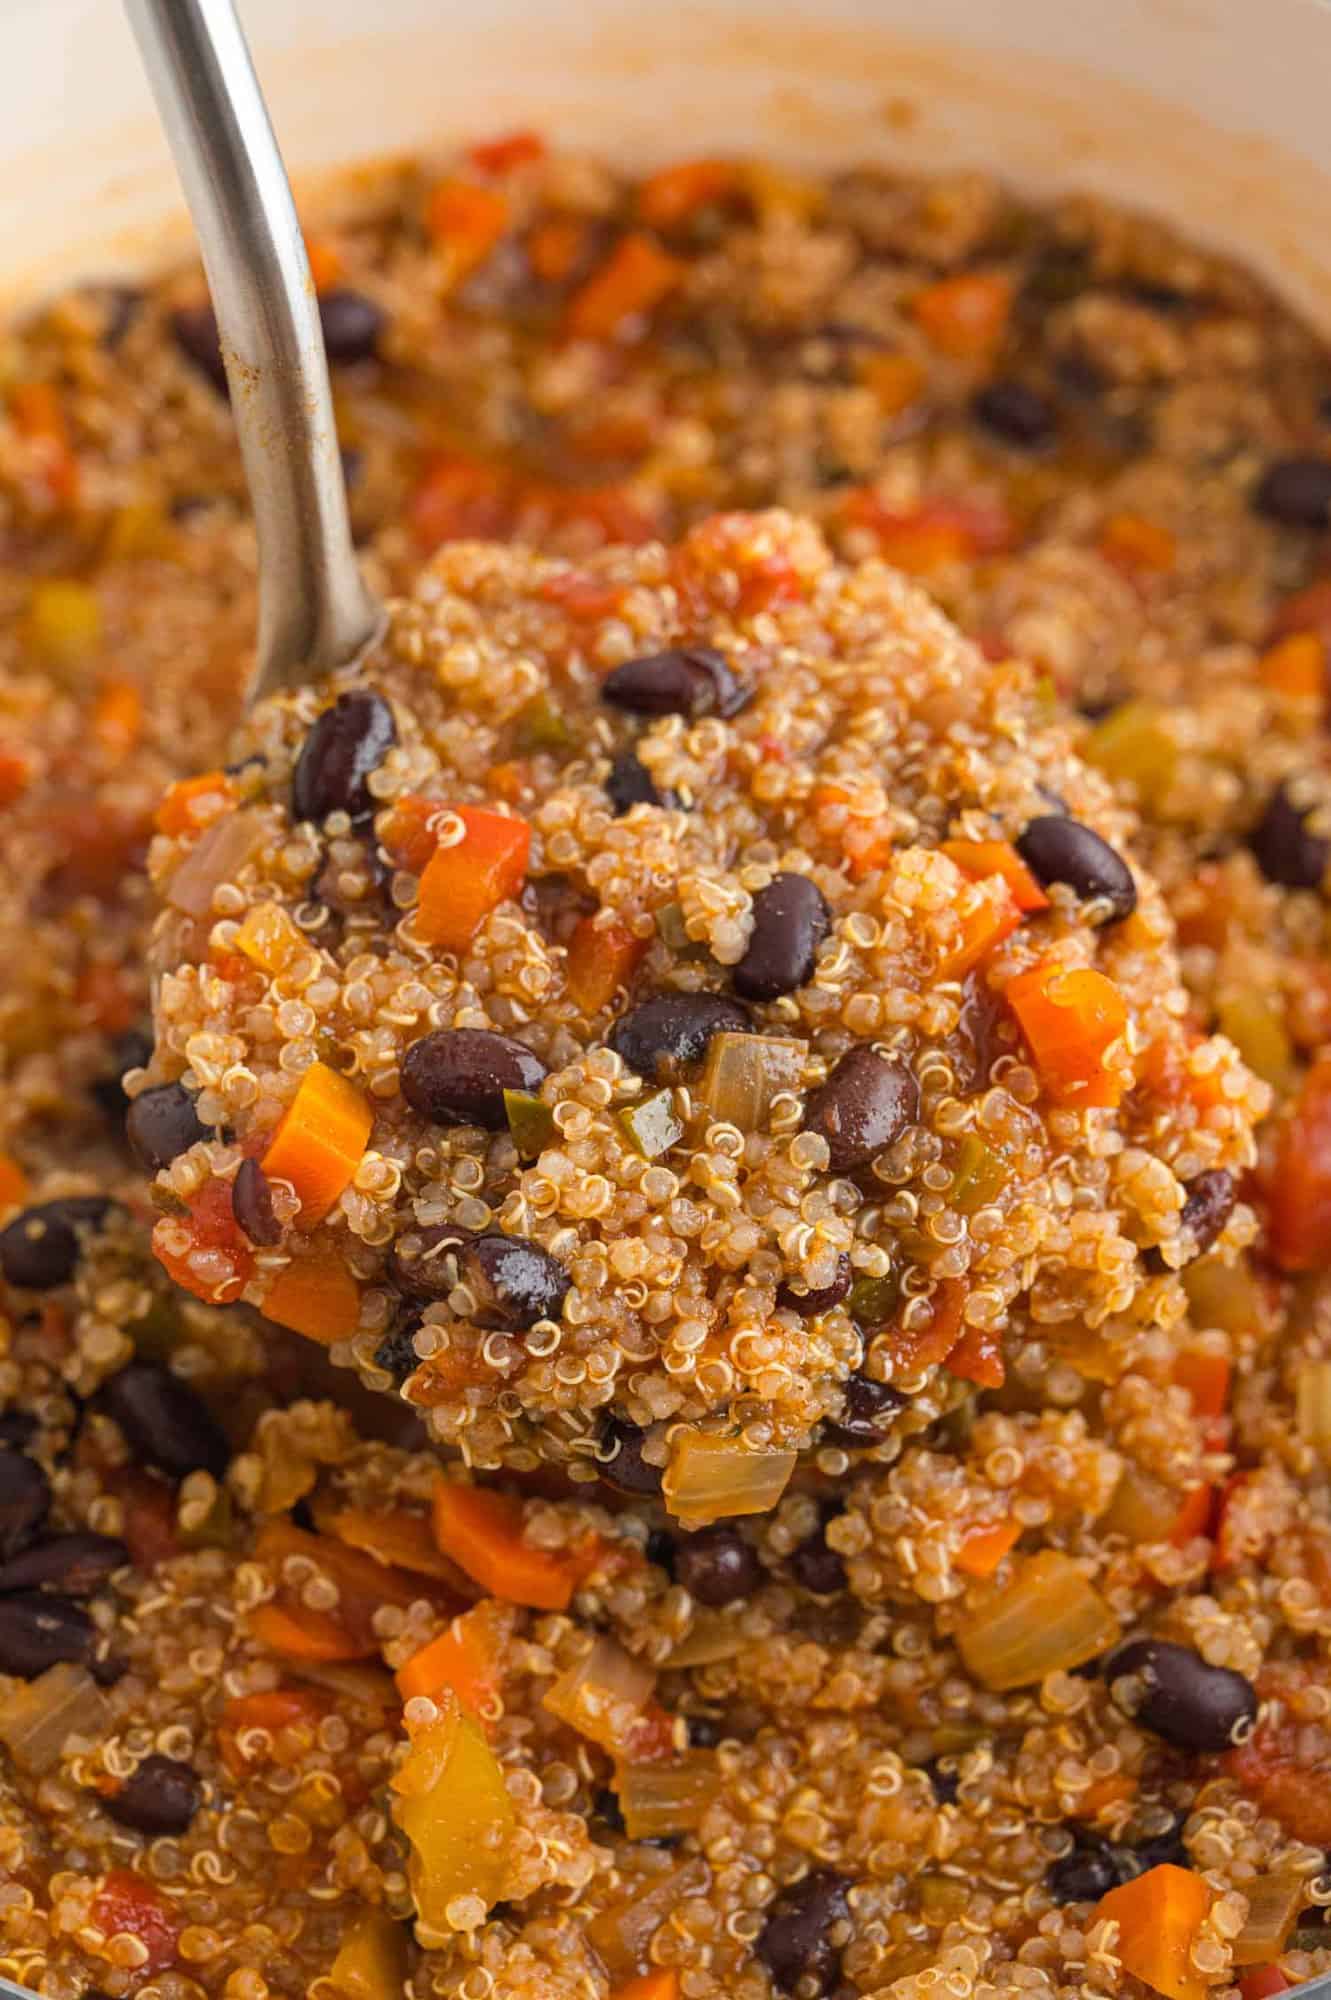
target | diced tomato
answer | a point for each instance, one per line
(584, 598)
(978, 1357)
(460, 499)
(1262, 1982)
(601, 959)
(15, 772)
(650, 1737)
(128, 1904)
(924, 1347)
(1308, 610)
(214, 1232)
(933, 534)
(105, 997)
(509, 150)
(1286, 1767)
(275, 1710)
(1194, 1516)
(1205, 1376)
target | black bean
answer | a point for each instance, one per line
(161, 1796)
(817, 1567)
(670, 1032)
(25, 1498)
(690, 681)
(194, 329)
(423, 1262)
(866, 1104)
(18, 1428)
(458, 1076)
(806, 1928)
(660, 1549)
(1207, 1208)
(396, 1353)
(705, 1731)
(38, 1630)
(630, 784)
(515, 1283)
(161, 1124)
(866, 1415)
(809, 1305)
(1058, 849)
(252, 1204)
(1016, 413)
(40, 1248)
(790, 921)
(717, 1566)
(1173, 1691)
(606, 1808)
(1296, 492)
(166, 1424)
(132, 1050)
(346, 743)
(77, 1563)
(1082, 1876)
(946, 1784)
(351, 324)
(1287, 850)
(620, 1461)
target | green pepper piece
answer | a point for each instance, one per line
(652, 1126)
(540, 726)
(980, 1176)
(872, 1301)
(531, 1122)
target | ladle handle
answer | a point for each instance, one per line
(315, 612)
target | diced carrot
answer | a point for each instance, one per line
(674, 195)
(467, 1657)
(1287, 1777)
(462, 884)
(482, 1532)
(978, 1357)
(364, 1586)
(1194, 1516)
(660, 1984)
(39, 416)
(509, 150)
(13, 1181)
(617, 298)
(1300, 1187)
(981, 858)
(175, 814)
(410, 833)
(556, 247)
(117, 716)
(294, 1632)
(460, 500)
(966, 315)
(15, 773)
(316, 1295)
(127, 1904)
(601, 961)
(897, 381)
(1205, 1376)
(1134, 543)
(984, 1548)
(274, 1710)
(225, 1258)
(1158, 1917)
(466, 222)
(320, 1140)
(935, 533)
(1295, 666)
(1071, 1018)
(106, 998)
(325, 261)
(1263, 1982)
(987, 914)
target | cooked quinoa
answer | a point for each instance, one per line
(435, 1673)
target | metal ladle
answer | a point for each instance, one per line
(315, 612)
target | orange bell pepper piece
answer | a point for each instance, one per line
(294, 1632)
(982, 858)
(320, 1140)
(175, 814)
(1071, 1018)
(483, 1533)
(463, 883)
(984, 1548)
(467, 1657)
(1300, 1189)
(316, 1295)
(601, 961)
(614, 301)
(1158, 1918)
(966, 315)
(987, 915)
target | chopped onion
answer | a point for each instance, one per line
(742, 1075)
(1313, 1404)
(368, 1687)
(216, 857)
(1143, 1508)
(622, 1933)
(38, 1719)
(603, 1695)
(659, 1799)
(1048, 1620)
(711, 1478)
(1274, 1903)
(714, 1635)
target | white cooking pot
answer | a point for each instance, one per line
(1212, 112)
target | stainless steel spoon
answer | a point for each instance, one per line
(315, 612)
